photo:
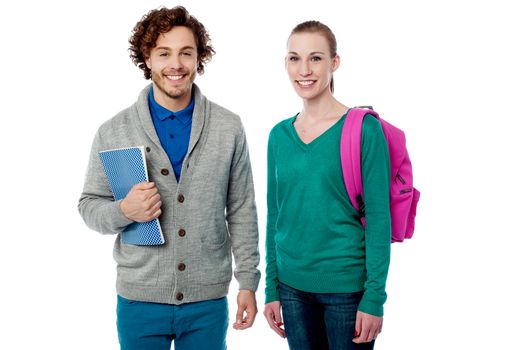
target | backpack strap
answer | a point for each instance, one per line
(350, 153)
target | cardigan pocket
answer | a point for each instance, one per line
(137, 265)
(215, 235)
(216, 263)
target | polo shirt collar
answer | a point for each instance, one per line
(162, 113)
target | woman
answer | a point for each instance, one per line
(324, 271)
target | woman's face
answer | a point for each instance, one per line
(309, 64)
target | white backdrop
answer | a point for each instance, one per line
(451, 74)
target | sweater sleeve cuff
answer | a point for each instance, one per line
(271, 297)
(116, 217)
(371, 308)
(248, 281)
(271, 293)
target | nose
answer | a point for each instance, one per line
(175, 62)
(305, 69)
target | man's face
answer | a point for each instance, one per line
(173, 62)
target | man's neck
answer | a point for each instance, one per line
(170, 103)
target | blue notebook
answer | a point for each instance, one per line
(124, 168)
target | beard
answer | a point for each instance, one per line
(174, 92)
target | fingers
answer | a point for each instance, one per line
(244, 322)
(240, 320)
(277, 318)
(358, 326)
(246, 310)
(143, 186)
(152, 203)
(367, 328)
(364, 336)
(142, 203)
(146, 192)
(276, 327)
(151, 207)
(251, 315)
(154, 211)
(273, 316)
(154, 199)
(376, 333)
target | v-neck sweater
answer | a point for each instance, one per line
(315, 242)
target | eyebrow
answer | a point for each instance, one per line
(312, 53)
(169, 49)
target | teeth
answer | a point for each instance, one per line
(174, 77)
(305, 82)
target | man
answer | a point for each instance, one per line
(201, 190)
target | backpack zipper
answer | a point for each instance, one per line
(399, 177)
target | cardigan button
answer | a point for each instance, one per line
(148, 149)
(181, 267)
(180, 198)
(179, 296)
(182, 233)
(165, 172)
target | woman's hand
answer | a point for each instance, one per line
(273, 315)
(367, 327)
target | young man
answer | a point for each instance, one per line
(201, 190)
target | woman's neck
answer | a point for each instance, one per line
(322, 107)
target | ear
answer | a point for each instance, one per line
(148, 62)
(335, 63)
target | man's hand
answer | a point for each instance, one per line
(273, 315)
(367, 327)
(246, 309)
(142, 203)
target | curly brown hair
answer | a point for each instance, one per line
(160, 21)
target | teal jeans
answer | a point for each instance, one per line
(152, 326)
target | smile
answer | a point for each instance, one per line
(174, 77)
(305, 82)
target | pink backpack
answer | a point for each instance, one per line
(404, 197)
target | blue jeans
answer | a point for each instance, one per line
(320, 321)
(152, 326)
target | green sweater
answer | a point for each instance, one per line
(315, 242)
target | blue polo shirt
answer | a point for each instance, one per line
(173, 130)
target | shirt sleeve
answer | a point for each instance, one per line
(96, 204)
(375, 178)
(271, 289)
(241, 217)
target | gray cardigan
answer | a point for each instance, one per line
(206, 217)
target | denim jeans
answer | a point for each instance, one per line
(152, 326)
(320, 321)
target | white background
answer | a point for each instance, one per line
(451, 74)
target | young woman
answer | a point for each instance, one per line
(324, 271)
